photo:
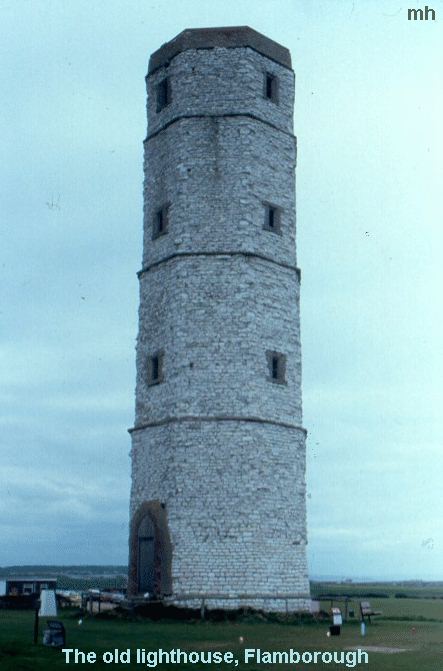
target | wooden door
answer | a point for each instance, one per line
(146, 556)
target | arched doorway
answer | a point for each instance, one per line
(150, 551)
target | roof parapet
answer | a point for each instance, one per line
(208, 38)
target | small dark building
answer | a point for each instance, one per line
(28, 586)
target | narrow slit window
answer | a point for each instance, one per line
(155, 368)
(276, 367)
(160, 222)
(163, 94)
(272, 218)
(271, 87)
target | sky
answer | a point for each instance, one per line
(369, 96)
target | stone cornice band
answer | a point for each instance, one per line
(166, 259)
(215, 418)
(227, 115)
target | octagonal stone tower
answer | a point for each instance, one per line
(218, 507)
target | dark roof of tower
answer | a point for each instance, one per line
(207, 38)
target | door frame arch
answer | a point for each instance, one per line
(156, 511)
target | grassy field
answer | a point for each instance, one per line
(420, 636)
(396, 601)
(407, 589)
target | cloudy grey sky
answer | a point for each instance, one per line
(369, 182)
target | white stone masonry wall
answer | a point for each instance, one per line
(217, 444)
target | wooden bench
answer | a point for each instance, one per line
(367, 611)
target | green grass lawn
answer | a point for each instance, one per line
(414, 609)
(410, 589)
(422, 640)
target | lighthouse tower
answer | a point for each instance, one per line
(218, 508)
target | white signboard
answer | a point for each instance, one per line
(48, 604)
(336, 616)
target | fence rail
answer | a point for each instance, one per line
(205, 597)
